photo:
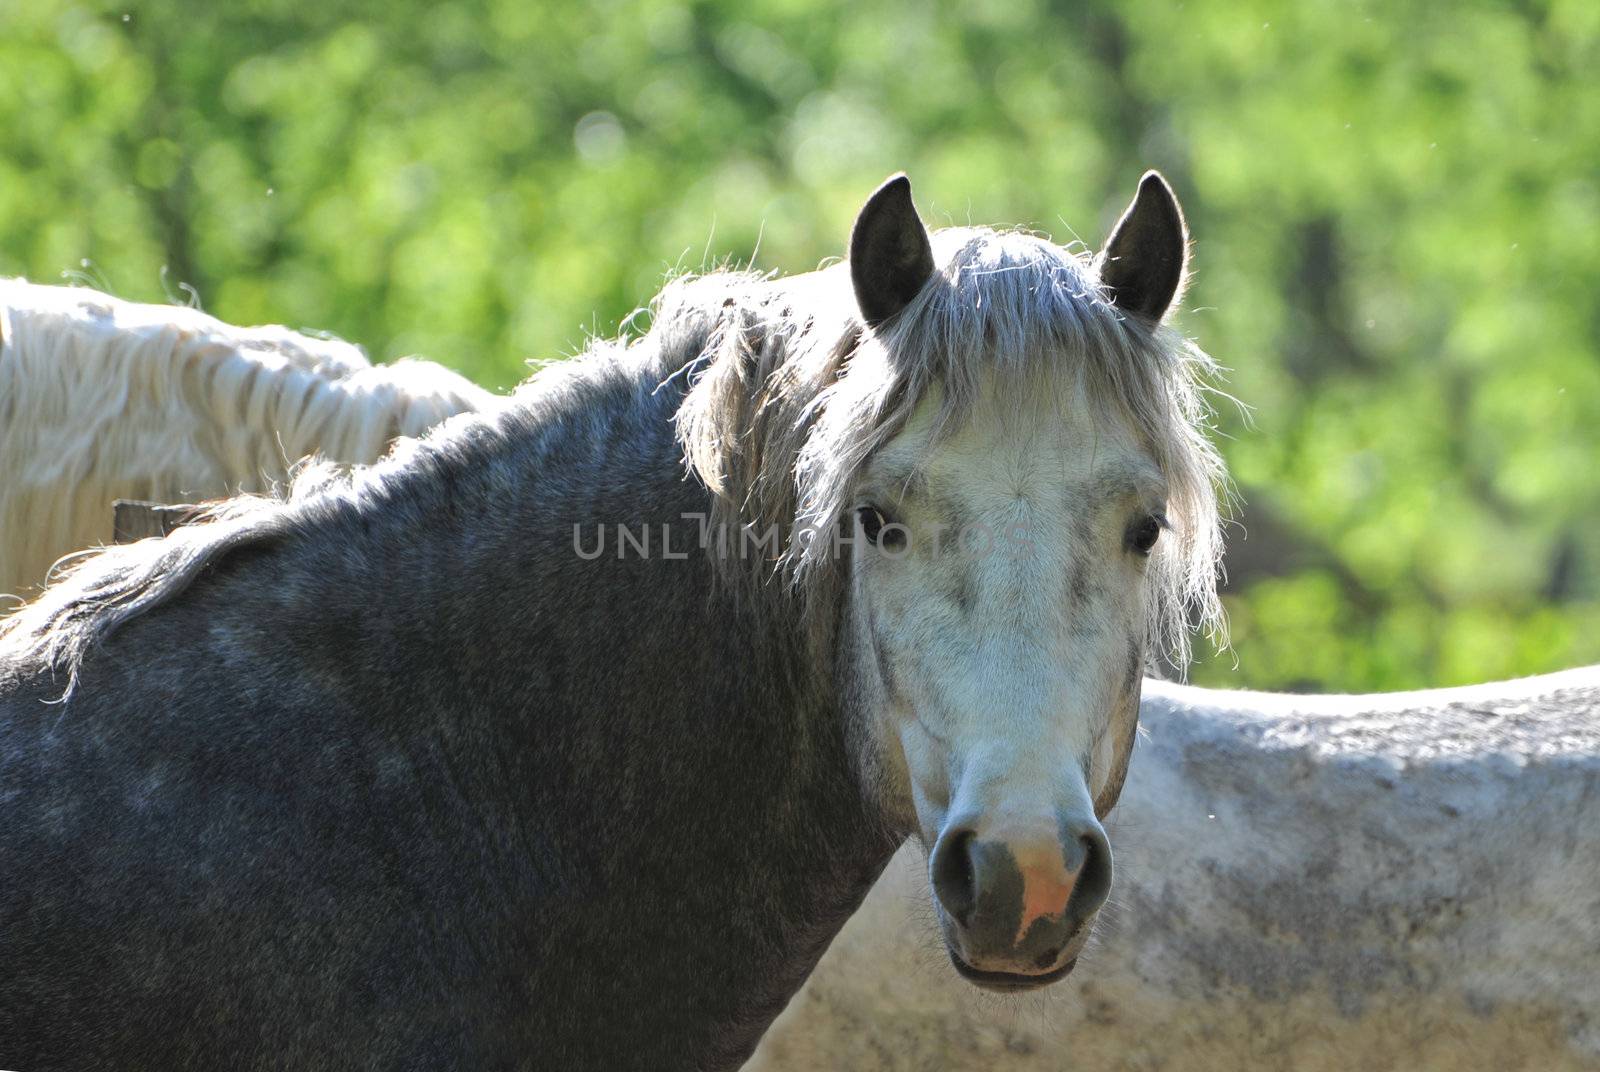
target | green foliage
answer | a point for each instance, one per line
(1395, 210)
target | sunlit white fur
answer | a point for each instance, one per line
(103, 399)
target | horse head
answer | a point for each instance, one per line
(1038, 509)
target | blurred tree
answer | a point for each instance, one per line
(1395, 212)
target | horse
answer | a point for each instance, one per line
(570, 734)
(102, 399)
(1401, 882)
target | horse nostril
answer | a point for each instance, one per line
(953, 881)
(1093, 883)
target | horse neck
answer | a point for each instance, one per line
(680, 758)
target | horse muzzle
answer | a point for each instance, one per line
(1016, 898)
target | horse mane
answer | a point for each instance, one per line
(103, 399)
(797, 395)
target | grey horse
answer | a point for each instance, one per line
(570, 735)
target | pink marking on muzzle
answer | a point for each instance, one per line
(1046, 884)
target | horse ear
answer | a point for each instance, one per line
(1143, 263)
(890, 258)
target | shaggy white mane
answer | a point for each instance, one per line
(102, 399)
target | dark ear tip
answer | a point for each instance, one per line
(1154, 186)
(893, 194)
(898, 184)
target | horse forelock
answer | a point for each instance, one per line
(794, 396)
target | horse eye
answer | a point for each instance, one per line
(872, 525)
(1144, 535)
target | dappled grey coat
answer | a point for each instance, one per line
(405, 878)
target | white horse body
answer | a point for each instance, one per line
(1407, 881)
(103, 399)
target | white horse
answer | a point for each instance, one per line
(1406, 882)
(103, 399)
